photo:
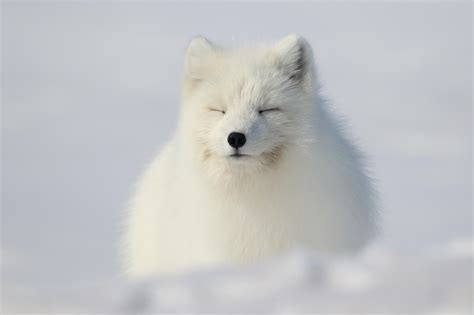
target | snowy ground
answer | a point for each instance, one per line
(376, 281)
(90, 91)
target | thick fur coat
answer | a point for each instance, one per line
(286, 177)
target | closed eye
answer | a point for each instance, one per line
(217, 110)
(275, 109)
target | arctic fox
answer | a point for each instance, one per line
(256, 166)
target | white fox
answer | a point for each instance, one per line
(256, 166)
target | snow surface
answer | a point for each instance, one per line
(376, 281)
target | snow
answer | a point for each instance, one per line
(377, 280)
(90, 91)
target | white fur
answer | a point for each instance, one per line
(302, 183)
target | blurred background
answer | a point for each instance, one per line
(90, 92)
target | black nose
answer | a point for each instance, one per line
(236, 139)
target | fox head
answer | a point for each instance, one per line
(244, 110)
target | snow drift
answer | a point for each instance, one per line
(437, 280)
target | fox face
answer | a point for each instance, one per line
(246, 109)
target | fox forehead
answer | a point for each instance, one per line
(254, 84)
(247, 91)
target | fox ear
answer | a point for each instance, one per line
(198, 49)
(294, 57)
